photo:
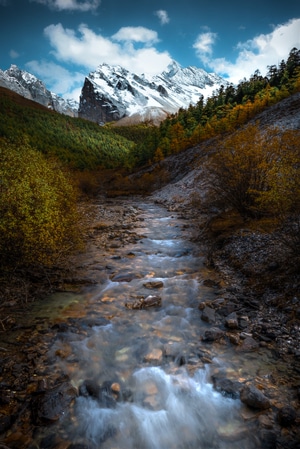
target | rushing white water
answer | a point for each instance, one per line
(162, 403)
(180, 412)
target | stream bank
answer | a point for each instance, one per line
(39, 355)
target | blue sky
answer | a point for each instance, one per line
(61, 41)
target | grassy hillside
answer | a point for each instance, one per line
(79, 143)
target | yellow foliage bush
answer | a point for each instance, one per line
(38, 213)
(257, 172)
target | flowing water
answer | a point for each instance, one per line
(154, 357)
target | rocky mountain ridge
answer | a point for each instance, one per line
(112, 93)
(28, 86)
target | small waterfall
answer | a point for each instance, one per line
(171, 411)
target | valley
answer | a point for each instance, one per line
(150, 273)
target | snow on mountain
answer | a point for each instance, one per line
(112, 93)
(28, 86)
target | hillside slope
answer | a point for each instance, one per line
(256, 261)
(186, 168)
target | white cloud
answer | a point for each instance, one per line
(70, 5)
(255, 54)
(131, 47)
(13, 54)
(58, 79)
(163, 16)
(204, 45)
(136, 34)
(87, 49)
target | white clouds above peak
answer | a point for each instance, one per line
(204, 45)
(131, 47)
(136, 34)
(256, 53)
(88, 49)
(70, 5)
(163, 16)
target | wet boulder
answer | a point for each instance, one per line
(248, 344)
(48, 406)
(254, 398)
(268, 438)
(287, 416)
(231, 321)
(153, 284)
(89, 388)
(227, 387)
(103, 394)
(144, 303)
(208, 315)
(213, 334)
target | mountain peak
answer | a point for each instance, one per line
(29, 86)
(172, 68)
(113, 93)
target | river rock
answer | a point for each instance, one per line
(234, 338)
(213, 334)
(254, 398)
(268, 439)
(49, 405)
(248, 344)
(287, 416)
(89, 388)
(231, 321)
(227, 308)
(153, 284)
(144, 303)
(227, 387)
(208, 315)
(103, 394)
(155, 356)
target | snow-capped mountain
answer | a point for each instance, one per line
(27, 85)
(112, 93)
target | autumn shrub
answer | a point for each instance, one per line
(88, 182)
(255, 172)
(283, 177)
(38, 213)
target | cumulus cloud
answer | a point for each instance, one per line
(70, 5)
(257, 53)
(88, 49)
(136, 34)
(163, 16)
(204, 45)
(57, 78)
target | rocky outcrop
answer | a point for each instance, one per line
(97, 107)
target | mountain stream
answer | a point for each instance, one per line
(144, 374)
